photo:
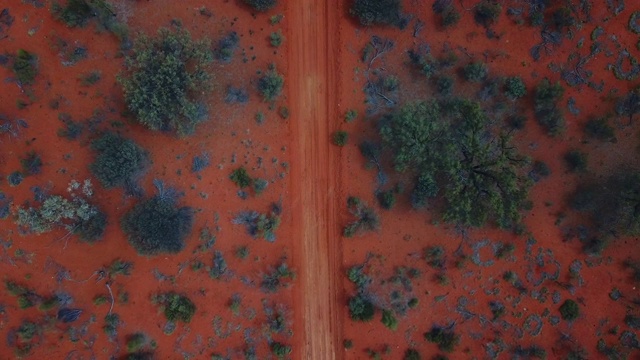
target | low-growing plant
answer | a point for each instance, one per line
(277, 278)
(136, 341)
(241, 178)
(389, 320)
(261, 5)
(276, 38)
(366, 218)
(350, 115)
(119, 161)
(475, 71)
(25, 67)
(576, 161)
(445, 338)
(280, 350)
(486, 12)
(514, 87)
(599, 128)
(547, 112)
(340, 138)
(260, 225)
(270, 84)
(226, 47)
(31, 164)
(360, 308)
(569, 310)
(176, 307)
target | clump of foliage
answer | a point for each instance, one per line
(226, 47)
(340, 138)
(533, 351)
(547, 112)
(366, 218)
(458, 154)
(377, 12)
(78, 13)
(261, 5)
(119, 161)
(15, 178)
(270, 84)
(389, 320)
(576, 161)
(569, 310)
(76, 215)
(156, 224)
(446, 339)
(629, 105)
(632, 321)
(276, 38)
(361, 309)
(539, 170)
(448, 13)
(25, 66)
(163, 79)
(350, 115)
(31, 164)
(111, 323)
(136, 342)
(387, 199)
(200, 162)
(241, 177)
(176, 307)
(599, 128)
(261, 225)
(25, 337)
(412, 354)
(475, 71)
(280, 350)
(277, 278)
(486, 12)
(514, 87)
(634, 22)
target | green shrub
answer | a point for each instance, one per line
(387, 199)
(350, 115)
(377, 12)
(261, 5)
(411, 354)
(241, 178)
(576, 161)
(25, 66)
(446, 339)
(569, 310)
(361, 309)
(476, 71)
(445, 85)
(634, 22)
(366, 218)
(164, 79)
(486, 12)
(340, 138)
(177, 307)
(270, 85)
(280, 350)
(31, 164)
(276, 38)
(136, 342)
(347, 343)
(156, 225)
(514, 87)
(547, 113)
(118, 160)
(78, 13)
(599, 128)
(389, 320)
(451, 17)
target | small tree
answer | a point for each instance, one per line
(118, 160)
(340, 138)
(164, 78)
(446, 339)
(25, 66)
(177, 307)
(361, 309)
(157, 225)
(270, 84)
(476, 72)
(486, 12)
(261, 5)
(569, 310)
(547, 113)
(377, 12)
(515, 88)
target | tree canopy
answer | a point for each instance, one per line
(118, 161)
(377, 12)
(163, 79)
(457, 154)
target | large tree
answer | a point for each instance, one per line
(457, 154)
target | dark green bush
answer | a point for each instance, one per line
(387, 199)
(118, 160)
(476, 71)
(93, 228)
(136, 342)
(270, 85)
(340, 138)
(446, 339)
(156, 225)
(412, 354)
(576, 161)
(280, 350)
(261, 5)
(366, 218)
(514, 87)
(569, 310)
(78, 13)
(25, 66)
(599, 128)
(361, 309)
(177, 307)
(547, 112)
(377, 12)
(241, 178)
(389, 320)
(486, 12)
(164, 79)
(31, 164)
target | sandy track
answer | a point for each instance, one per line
(312, 92)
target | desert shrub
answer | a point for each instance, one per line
(280, 350)
(277, 278)
(450, 17)
(236, 95)
(111, 323)
(79, 13)
(389, 320)
(25, 66)
(361, 309)
(444, 85)
(599, 128)
(71, 130)
(377, 12)
(90, 78)
(136, 342)
(366, 218)
(486, 12)
(177, 307)
(387, 199)
(533, 351)
(15, 178)
(632, 321)
(276, 38)
(118, 160)
(539, 170)
(270, 84)
(562, 18)
(412, 354)
(31, 164)
(576, 161)
(226, 47)
(260, 225)
(219, 267)
(350, 115)
(634, 22)
(547, 113)
(241, 178)
(261, 5)
(514, 87)
(629, 105)
(446, 339)
(340, 138)
(200, 162)
(163, 79)
(475, 71)
(76, 215)
(569, 310)
(157, 225)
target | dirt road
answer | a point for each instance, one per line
(312, 92)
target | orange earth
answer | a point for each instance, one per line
(324, 77)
